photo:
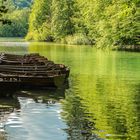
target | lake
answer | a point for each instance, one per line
(101, 103)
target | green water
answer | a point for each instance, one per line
(103, 99)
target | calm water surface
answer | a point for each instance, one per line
(102, 102)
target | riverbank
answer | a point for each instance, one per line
(129, 48)
(9, 41)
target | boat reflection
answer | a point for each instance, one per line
(12, 107)
(7, 106)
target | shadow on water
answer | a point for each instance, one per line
(10, 98)
(42, 95)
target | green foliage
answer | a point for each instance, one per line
(118, 25)
(18, 26)
(3, 11)
(106, 23)
(14, 18)
(61, 22)
(76, 39)
(40, 21)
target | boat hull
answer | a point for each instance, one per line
(31, 70)
(54, 81)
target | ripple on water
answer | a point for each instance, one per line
(36, 121)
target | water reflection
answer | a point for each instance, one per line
(78, 120)
(110, 112)
(102, 102)
(7, 106)
(38, 116)
(111, 106)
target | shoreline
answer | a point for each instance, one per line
(128, 48)
(18, 41)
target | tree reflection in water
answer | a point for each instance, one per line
(101, 109)
(79, 125)
(80, 122)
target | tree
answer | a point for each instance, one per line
(3, 11)
(18, 26)
(40, 21)
(118, 25)
(104, 22)
(62, 14)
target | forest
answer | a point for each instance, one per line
(17, 14)
(105, 23)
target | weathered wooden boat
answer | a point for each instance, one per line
(31, 70)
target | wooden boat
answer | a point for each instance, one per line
(31, 70)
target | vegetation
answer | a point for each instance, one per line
(62, 15)
(14, 18)
(106, 23)
(40, 26)
(18, 26)
(3, 10)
